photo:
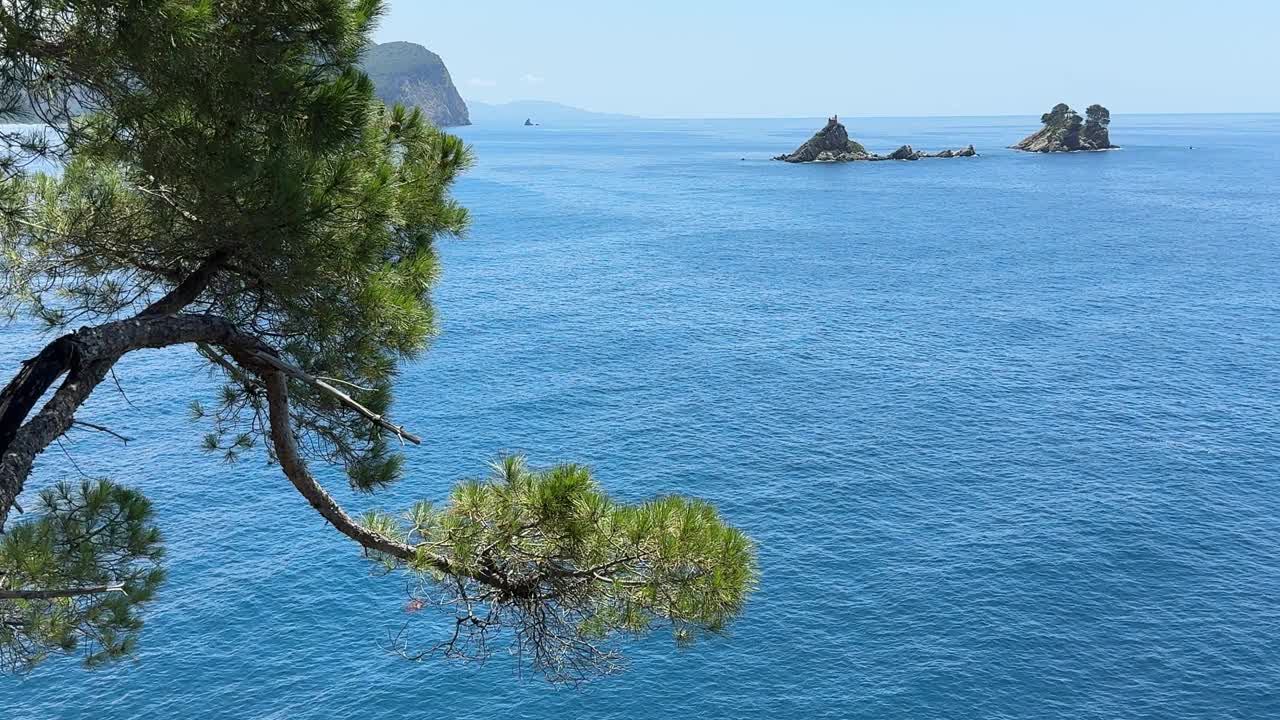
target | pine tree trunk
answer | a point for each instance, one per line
(30, 384)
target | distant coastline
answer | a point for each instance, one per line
(540, 112)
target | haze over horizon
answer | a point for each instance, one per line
(919, 57)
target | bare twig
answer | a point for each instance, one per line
(99, 428)
(70, 459)
(344, 382)
(162, 194)
(60, 593)
(120, 387)
(300, 374)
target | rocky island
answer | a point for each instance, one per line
(832, 144)
(407, 73)
(1064, 131)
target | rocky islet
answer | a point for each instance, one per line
(1065, 131)
(833, 144)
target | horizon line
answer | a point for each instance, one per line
(632, 116)
(804, 117)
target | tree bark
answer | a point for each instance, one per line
(66, 355)
(96, 350)
(39, 373)
(30, 384)
(190, 288)
(295, 468)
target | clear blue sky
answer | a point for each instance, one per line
(746, 58)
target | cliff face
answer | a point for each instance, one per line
(832, 144)
(1065, 131)
(413, 75)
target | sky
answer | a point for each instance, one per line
(750, 58)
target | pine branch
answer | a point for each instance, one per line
(300, 374)
(61, 593)
(190, 288)
(97, 349)
(295, 468)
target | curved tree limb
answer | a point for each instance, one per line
(48, 425)
(545, 595)
(190, 288)
(38, 374)
(295, 468)
(93, 351)
(98, 348)
(27, 387)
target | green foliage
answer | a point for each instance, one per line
(1097, 116)
(268, 149)
(239, 142)
(1057, 115)
(563, 570)
(94, 534)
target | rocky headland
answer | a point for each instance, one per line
(832, 144)
(411, 74)
(1065, 131)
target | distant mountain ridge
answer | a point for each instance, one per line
(541, 112)
(408, 73)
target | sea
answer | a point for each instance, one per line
(1006, 431)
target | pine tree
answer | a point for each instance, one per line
(227, 181)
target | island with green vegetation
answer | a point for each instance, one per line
(833, 144)
(1065, 131)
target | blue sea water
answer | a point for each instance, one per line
(1005, 430)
